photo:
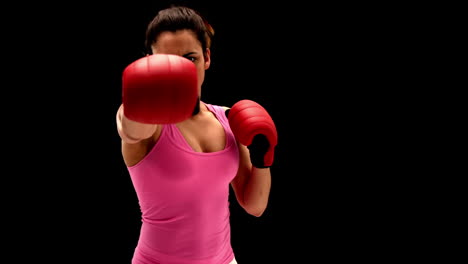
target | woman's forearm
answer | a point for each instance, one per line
(257, 191)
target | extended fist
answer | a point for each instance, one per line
(160, 89)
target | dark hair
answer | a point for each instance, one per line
(178, 18)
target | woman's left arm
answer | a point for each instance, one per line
(256, 137)
(251, 185)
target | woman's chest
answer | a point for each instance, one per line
(207, 136)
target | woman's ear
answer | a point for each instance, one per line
(207, 56)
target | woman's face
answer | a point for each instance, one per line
(184, 43)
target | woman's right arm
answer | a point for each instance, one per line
(132, 132)
(156, 89)
(137, 138)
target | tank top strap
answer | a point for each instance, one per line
(173, 133)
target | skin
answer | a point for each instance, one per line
(203, 132)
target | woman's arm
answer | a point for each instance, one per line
(132, 132)
(256, 137)
(137, 138)
(251, 185)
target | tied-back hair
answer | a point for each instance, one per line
(179, 18)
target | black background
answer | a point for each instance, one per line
(324, 73)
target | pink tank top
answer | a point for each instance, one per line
(183, 198)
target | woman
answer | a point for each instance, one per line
(182, 157)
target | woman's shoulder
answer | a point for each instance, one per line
(222, 108)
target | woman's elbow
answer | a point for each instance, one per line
(256, 211)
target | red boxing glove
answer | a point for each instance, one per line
(253, 127)
(160, 89)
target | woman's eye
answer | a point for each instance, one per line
(192, 59)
